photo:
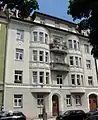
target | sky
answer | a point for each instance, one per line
(57, 8)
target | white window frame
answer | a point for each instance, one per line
(78, 80)
(17, 98)
(47, 77)
(90, 80)
(46, 57)
(71, 59)
(75, 44)
(35, 76)
(59, 79)
(76, 61)
(20, 34)
(41, 36)
(78, 99)
(46, 38)
(40, 100)
(19, 54)
(41, 76)
(88, 64)
(35, 36)
(41, 55)
(70, 44)
(19, 74)
(86, 48)
(73, 79)
(35, 55)
(68, 100)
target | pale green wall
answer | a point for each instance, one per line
(2, 57)
(2, 49)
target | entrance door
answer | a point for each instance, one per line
(55, 105)
(92, 101)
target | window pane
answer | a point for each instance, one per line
(41, 36)
(35, 36)
(70, 44)
(71, 60)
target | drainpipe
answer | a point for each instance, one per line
(4, 69)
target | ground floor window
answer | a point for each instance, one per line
(68, 100)
(40, 99)
(18, 100)
(78, 99)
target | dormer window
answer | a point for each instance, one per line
(57, 24)
(42, 20)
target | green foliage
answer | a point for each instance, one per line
(25, 7)
(87, 12)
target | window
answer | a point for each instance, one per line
(78, 45)
(80, 63)
(75, 44)
(78, 79)
(88, 64)
(68, 100)
(34, 55)
(90, 80)
(42, 20)
(46, 57)
(18, 100)
(20, 34)
(86, 48)
(41, 77)
(78, 100)
(76, 59)
(59, 79)
(71, 60)
(47, 77)
(41, 54)
(40, 99)
(70, 44)
(34, 76)
(82, 79)
(19, 54)
(35, 34)
(46, 38)
(41, 36)
(57, 25)
(73, 79)
(18, 76)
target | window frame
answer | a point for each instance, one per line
(35, 55)
(68, 100)
(21, 32)
(90, 80)
(19, 54)
(17, 98)
(41, 76)
(41, 56)
(35, 76)
(35, 36)
(78, 100)
(88, 64)
(71, 60)
(59, 79)
(73, 79)
(40, 100)
(18, 74)
(70, 45)
(47, 77)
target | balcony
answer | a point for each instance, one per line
(40, 88)
(56, 66)
(59, 48)
(77, 90)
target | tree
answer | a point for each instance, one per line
(87, 12)
(22, 8)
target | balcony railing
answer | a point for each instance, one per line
(58, 48)
(76, 90)
(56, 66)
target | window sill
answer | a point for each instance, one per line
(17, 107)
(19, 39)
(19, 60)
(69, 105)
(78, 105)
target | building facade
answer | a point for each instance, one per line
(48, 63)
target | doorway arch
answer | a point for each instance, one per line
(92, 101)
(55, 105)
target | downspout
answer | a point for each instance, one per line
(5, 52)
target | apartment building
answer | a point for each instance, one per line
(48, 63)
